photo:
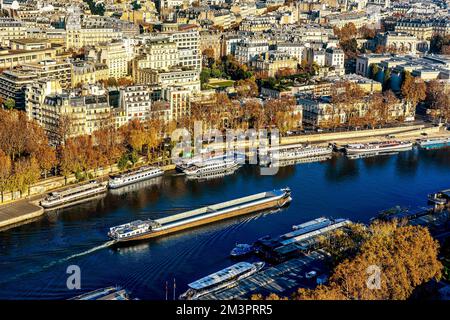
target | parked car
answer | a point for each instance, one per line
(310, 274)
(322, 279)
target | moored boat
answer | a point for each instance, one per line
(401, 213)
(285, 163)
(140, 230)
(70, 196)
(307, 151)
(434, 143)
(373, 147)
(241, 250)
(294, 152)
(108, 293)
(131, 177)
(440, 198)
(152, 182)
(310, 223)
(213, 175)
(210, 167)
(365, 155)
(182, 164)
(222, 279)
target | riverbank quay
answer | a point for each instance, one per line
(426, 133)
(19, 210)
(405, 132)
(15, 213)
(38, 190)
(249, 146)
(359, 135)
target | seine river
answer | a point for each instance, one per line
(34, 257)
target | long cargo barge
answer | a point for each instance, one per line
(140, 230)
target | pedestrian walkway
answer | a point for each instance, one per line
(19, 211)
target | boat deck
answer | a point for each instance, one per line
(109, 293)
(279, 279)
(78, 189)
(17, 212)
(216, 207)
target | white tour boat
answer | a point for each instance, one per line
(373, 147)
(224, 278)
(73, 195)
(127, 178)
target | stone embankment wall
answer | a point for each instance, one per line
(45, 185)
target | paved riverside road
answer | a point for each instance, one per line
(18, 211)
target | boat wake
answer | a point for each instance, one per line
(55, 262)
(105, 245)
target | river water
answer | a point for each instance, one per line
(34, 257)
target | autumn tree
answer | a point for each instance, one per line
(13, 137)
(134, 135)
(347, 36)
(64, 130)
(125, 82)
(208, 57)
(406, 256)
(438, 99)
(367, 32)
(282, 113)
(78, 156)
(9, 104)
(108, 146)
(225, 110)
(380, 49)
(26, 173)
(46, 158)
(253, 113)
(152, 137)
(348, 31)
(344, 243)
(235, 113)
(32, 172)
(445, 49)
(414, 90)
(374, 71)
(236, 71)
(285, 72)
(390, 101)
(5, 172)
(199, 110)
(440, 44)
(112, 82)
(246, 88)
(67, 158)
(346, 97)
(377, 107)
